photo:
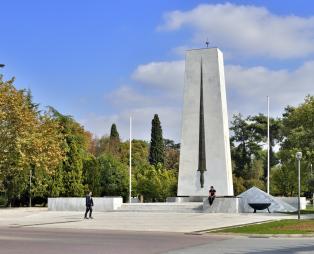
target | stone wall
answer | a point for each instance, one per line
(78, 204)
(222, 205)
(293, 201)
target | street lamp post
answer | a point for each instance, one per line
(252, 156)
(130, 162)
(298, 157)
(311, 166)
(30, 188)
(268, 145)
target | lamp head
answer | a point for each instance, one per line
(298, 155)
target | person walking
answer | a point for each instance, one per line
(89, 205)
(212, 195)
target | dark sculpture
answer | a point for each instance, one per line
(201, 150)
(260, 206)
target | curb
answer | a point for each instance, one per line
(214, 232)
(265, 235)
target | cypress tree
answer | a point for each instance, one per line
(156, 152)
(114, 135)
(114, 139)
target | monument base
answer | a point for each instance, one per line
(222, 205)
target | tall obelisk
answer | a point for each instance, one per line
(205, 158)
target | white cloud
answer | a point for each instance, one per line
(170, 118)
(239, 30)
(126, 96)
(246, 29)
(99, 125)
(247, 88)
(165, 75)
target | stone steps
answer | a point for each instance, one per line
(188, 207)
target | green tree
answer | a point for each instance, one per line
(259, 124)
(172, 154)
(28, 141)
(157, 150)
(298, 135)
(298, 129)
(244, 142)
(114, 177)
(91, 174)
(75, 145)
(102, 145)
(283, 180)
(114, 135)
(155, 183)
(254, 175)
(238, 185)
(114, 140)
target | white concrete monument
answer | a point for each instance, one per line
(205, 158)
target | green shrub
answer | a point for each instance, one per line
(3, 201)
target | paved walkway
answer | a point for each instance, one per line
(130, 221)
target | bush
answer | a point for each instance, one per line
(3, 201)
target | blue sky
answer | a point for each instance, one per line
(101, 61)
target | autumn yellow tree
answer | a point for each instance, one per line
(28, 141)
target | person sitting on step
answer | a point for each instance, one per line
(212, 195)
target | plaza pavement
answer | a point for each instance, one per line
(129, 221)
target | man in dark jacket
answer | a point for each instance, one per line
(212, 195)
(89, 206)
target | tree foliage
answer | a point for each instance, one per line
(75, 145)
(157, 150)
(28, 141)
(155, 183)
(172, 154)
(114, 139)
(114, 178)
(298, 135)
(66, 160)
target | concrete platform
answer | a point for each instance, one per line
(101, 204)
(182, 207)
(130, 221)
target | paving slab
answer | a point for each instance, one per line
(129, 221)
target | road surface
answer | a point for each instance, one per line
(53, 241)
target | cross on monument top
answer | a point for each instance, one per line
(207, 43)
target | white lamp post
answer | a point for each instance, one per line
(268, 146)
(298, 157)
(30, 188)
(130, 162)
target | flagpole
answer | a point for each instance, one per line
(268, 146)
(130, 162)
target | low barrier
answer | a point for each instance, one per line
(101, 204)
(293, 201)
(223, 205)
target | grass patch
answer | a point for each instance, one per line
(309, 210)
(275, 227)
